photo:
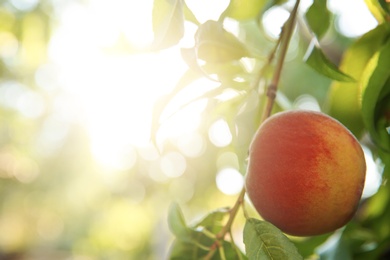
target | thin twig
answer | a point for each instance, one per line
(285, 36)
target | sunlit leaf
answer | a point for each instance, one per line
(377, 9)
(176, 222)
(264, 241)
(213, 220)
(189, 55)
(244, 9)
(188, 77)
(189, 15)
(318, 17)
(168, 23)
(215, 44)
(316, 59)
(345, 97)
(376, 95)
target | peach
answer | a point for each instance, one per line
(306, 173)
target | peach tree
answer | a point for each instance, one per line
(256, 69)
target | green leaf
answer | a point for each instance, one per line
(344, 99)
(176, 222)
(215, 44)
(385, 5)
(213, 220)
(189, 15)
(189, 251)
(168, 23)
(264, 241)
(376, 97)
(378, 10)
(337, 248)
(318, 17)
(307, 246)
(244, 9)
(316, 59)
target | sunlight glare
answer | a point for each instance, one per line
(173, 164)
(191, 145)
(115, 91)
(373, 175)
(354, 18)
(219, 133)
(273, 20)
(207, 9)
(230, 181)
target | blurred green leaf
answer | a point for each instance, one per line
(318, 17)
(194, 249)
(385, 6)
(168, 23)
(336, 248)
(378, 9)
(316, 59)
(264, 241)
(189, 15)
(190, 251)
(213, 220)
(307, 246)
(176, 222)
(344, 97)
(201, 237)
(244, 9)
(215, 44)
(376, 92)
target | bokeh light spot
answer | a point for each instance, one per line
(229, 181)
(352, 23)
(173, 164)
(191, 145)
(273, 20)
(219, 133)
(373, 174)
(307, 102)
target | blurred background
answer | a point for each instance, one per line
(79, 175)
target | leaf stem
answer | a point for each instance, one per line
(227, 227)
(232, 214)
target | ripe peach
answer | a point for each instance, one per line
(306, 173)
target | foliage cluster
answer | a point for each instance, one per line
(359, 96)
(54, 202)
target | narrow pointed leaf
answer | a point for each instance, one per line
(316, 59)
(189, 15)
(176, 222)
(264, 241)
(213, 218)
(344, 99)
(377, 9)
(318, 17)
(168, 23)
(376, 97)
